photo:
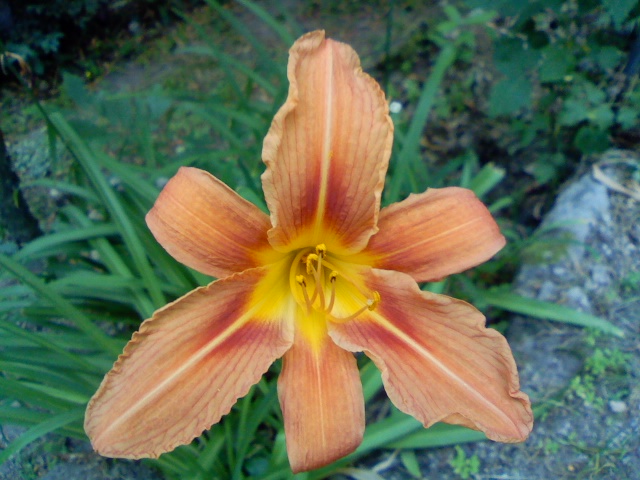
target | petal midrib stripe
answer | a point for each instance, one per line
(192, 362)
(326, 154)
(386, 324)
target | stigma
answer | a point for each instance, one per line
(318, 283)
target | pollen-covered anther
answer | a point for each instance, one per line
(321, 250)
(311, 269)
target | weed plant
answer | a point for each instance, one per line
(71, 298)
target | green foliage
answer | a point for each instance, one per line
(555, 58)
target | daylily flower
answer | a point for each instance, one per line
(328, 274)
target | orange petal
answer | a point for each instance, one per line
(438, 361)
(184, 369)
(327, 150)
(207, 226)
(321, 397)
(434, 234)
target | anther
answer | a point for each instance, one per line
(332, 278)
(321, 249)
(372, 303)
(312, 257)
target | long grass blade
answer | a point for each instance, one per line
(63, 306)
(110, 200)
(547, 311)
(410, 152)
(52, 423)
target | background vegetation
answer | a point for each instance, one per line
(514, 94)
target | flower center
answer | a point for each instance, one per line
(316, 281)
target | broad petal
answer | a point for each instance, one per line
(207, 226)
(321, 398)
(434, 234)
(438, 361)
(185, 368)
(327, 150)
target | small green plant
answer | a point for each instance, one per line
(603, 362)
(550, 446)
(584, 388)
(465, 466)
(607, 360)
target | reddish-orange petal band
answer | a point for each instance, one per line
(327, 150)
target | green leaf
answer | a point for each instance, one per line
(135, 248)
(409, 155)
(486, 179)
(556, 64)
(42, 246)
(513, 58)
(547, 311)
(590, 139)
(52, 423)
(619, 10)
(628, 117)
(510, 95)
(410, 462)
(606, 57)
(60, 304)
(573, 112)
(602, 116)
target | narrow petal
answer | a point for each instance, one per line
(207, 226)
(185, 368)
(438, 361)
(327, 150)
(321, 397)
(434, 234)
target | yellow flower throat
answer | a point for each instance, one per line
(316, 280)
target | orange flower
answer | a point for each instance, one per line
(328, 274)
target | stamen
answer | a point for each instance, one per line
(315, 265)
(303, 285)
(332, 278)
(319, 275)
(373, 303)
(350, 317)
(312, 257)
